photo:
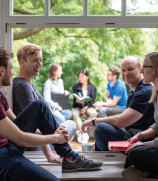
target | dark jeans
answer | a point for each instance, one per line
(144, 158)
(104, 133)
(13, 166)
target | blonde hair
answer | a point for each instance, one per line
(27, 49)
(153, 59)
(54, 67)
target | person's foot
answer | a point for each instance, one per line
(132, 173)
(54, 159)
(80, 164)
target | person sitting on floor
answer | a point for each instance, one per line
(139, 113)
(18, 132)
(144, 155)
(54, 85)
(116, 95)
(82, 89)
(24, 92)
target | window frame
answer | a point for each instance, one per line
(8, 21)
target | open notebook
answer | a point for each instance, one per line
(61, 99)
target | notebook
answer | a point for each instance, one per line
(61, 99)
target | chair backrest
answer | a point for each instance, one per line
(61, 99)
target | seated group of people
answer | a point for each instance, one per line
(116, 95)
(136, 120)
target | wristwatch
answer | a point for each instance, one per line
(93, 121)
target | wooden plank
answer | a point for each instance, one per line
(111, 171)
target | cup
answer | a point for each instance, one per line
(87, 147)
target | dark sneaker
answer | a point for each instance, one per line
(81, 163)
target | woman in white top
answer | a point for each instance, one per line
(55, 85)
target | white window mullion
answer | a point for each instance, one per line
(124, 7)
(85, 8)
(47, 7)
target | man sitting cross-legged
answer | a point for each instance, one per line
(30, 61)
(18, 132)
(116, 95)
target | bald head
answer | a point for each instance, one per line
(131, 59)
(131, 71)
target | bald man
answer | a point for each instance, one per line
(138, 116)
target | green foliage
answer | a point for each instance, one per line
(29, 6)
(77, 48)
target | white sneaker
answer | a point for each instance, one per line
(84, 138)
(79, 136)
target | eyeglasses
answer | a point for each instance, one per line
(147, 66)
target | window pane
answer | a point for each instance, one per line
(100, 7)
(143, 7)
(28, 7)
(65, 7)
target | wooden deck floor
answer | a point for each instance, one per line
(113, 166)
(111, 171)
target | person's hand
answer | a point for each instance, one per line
(98, 104)
(63, 133)
(86, 125)
(135, 138)
(83, 110)
(133, 145)
(54, 158)
(61, 129)
(66, 93)
(78, 101)
(59, 108)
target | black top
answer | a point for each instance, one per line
(139, 101)
(92, 92)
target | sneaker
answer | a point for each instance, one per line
(131, 173)
(79, 136)
(80, 164)
(84, 138)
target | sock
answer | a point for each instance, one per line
(72, 156)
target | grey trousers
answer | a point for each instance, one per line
(108, 111)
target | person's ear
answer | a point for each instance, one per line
(2, 70)
(21, 61)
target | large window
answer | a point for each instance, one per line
(93, 7)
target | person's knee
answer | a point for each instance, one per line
(70, 125)
(134, 155)
(38, 104)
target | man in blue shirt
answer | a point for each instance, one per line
(116, 95)
(138, 116)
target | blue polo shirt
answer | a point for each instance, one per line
(118, 90)
(139, 101)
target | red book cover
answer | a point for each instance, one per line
(118, 145)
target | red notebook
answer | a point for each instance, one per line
(118, 145)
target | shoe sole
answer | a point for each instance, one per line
(82, 169)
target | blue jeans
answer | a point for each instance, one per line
(13, 166)
(62, 116)
(104, 133)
